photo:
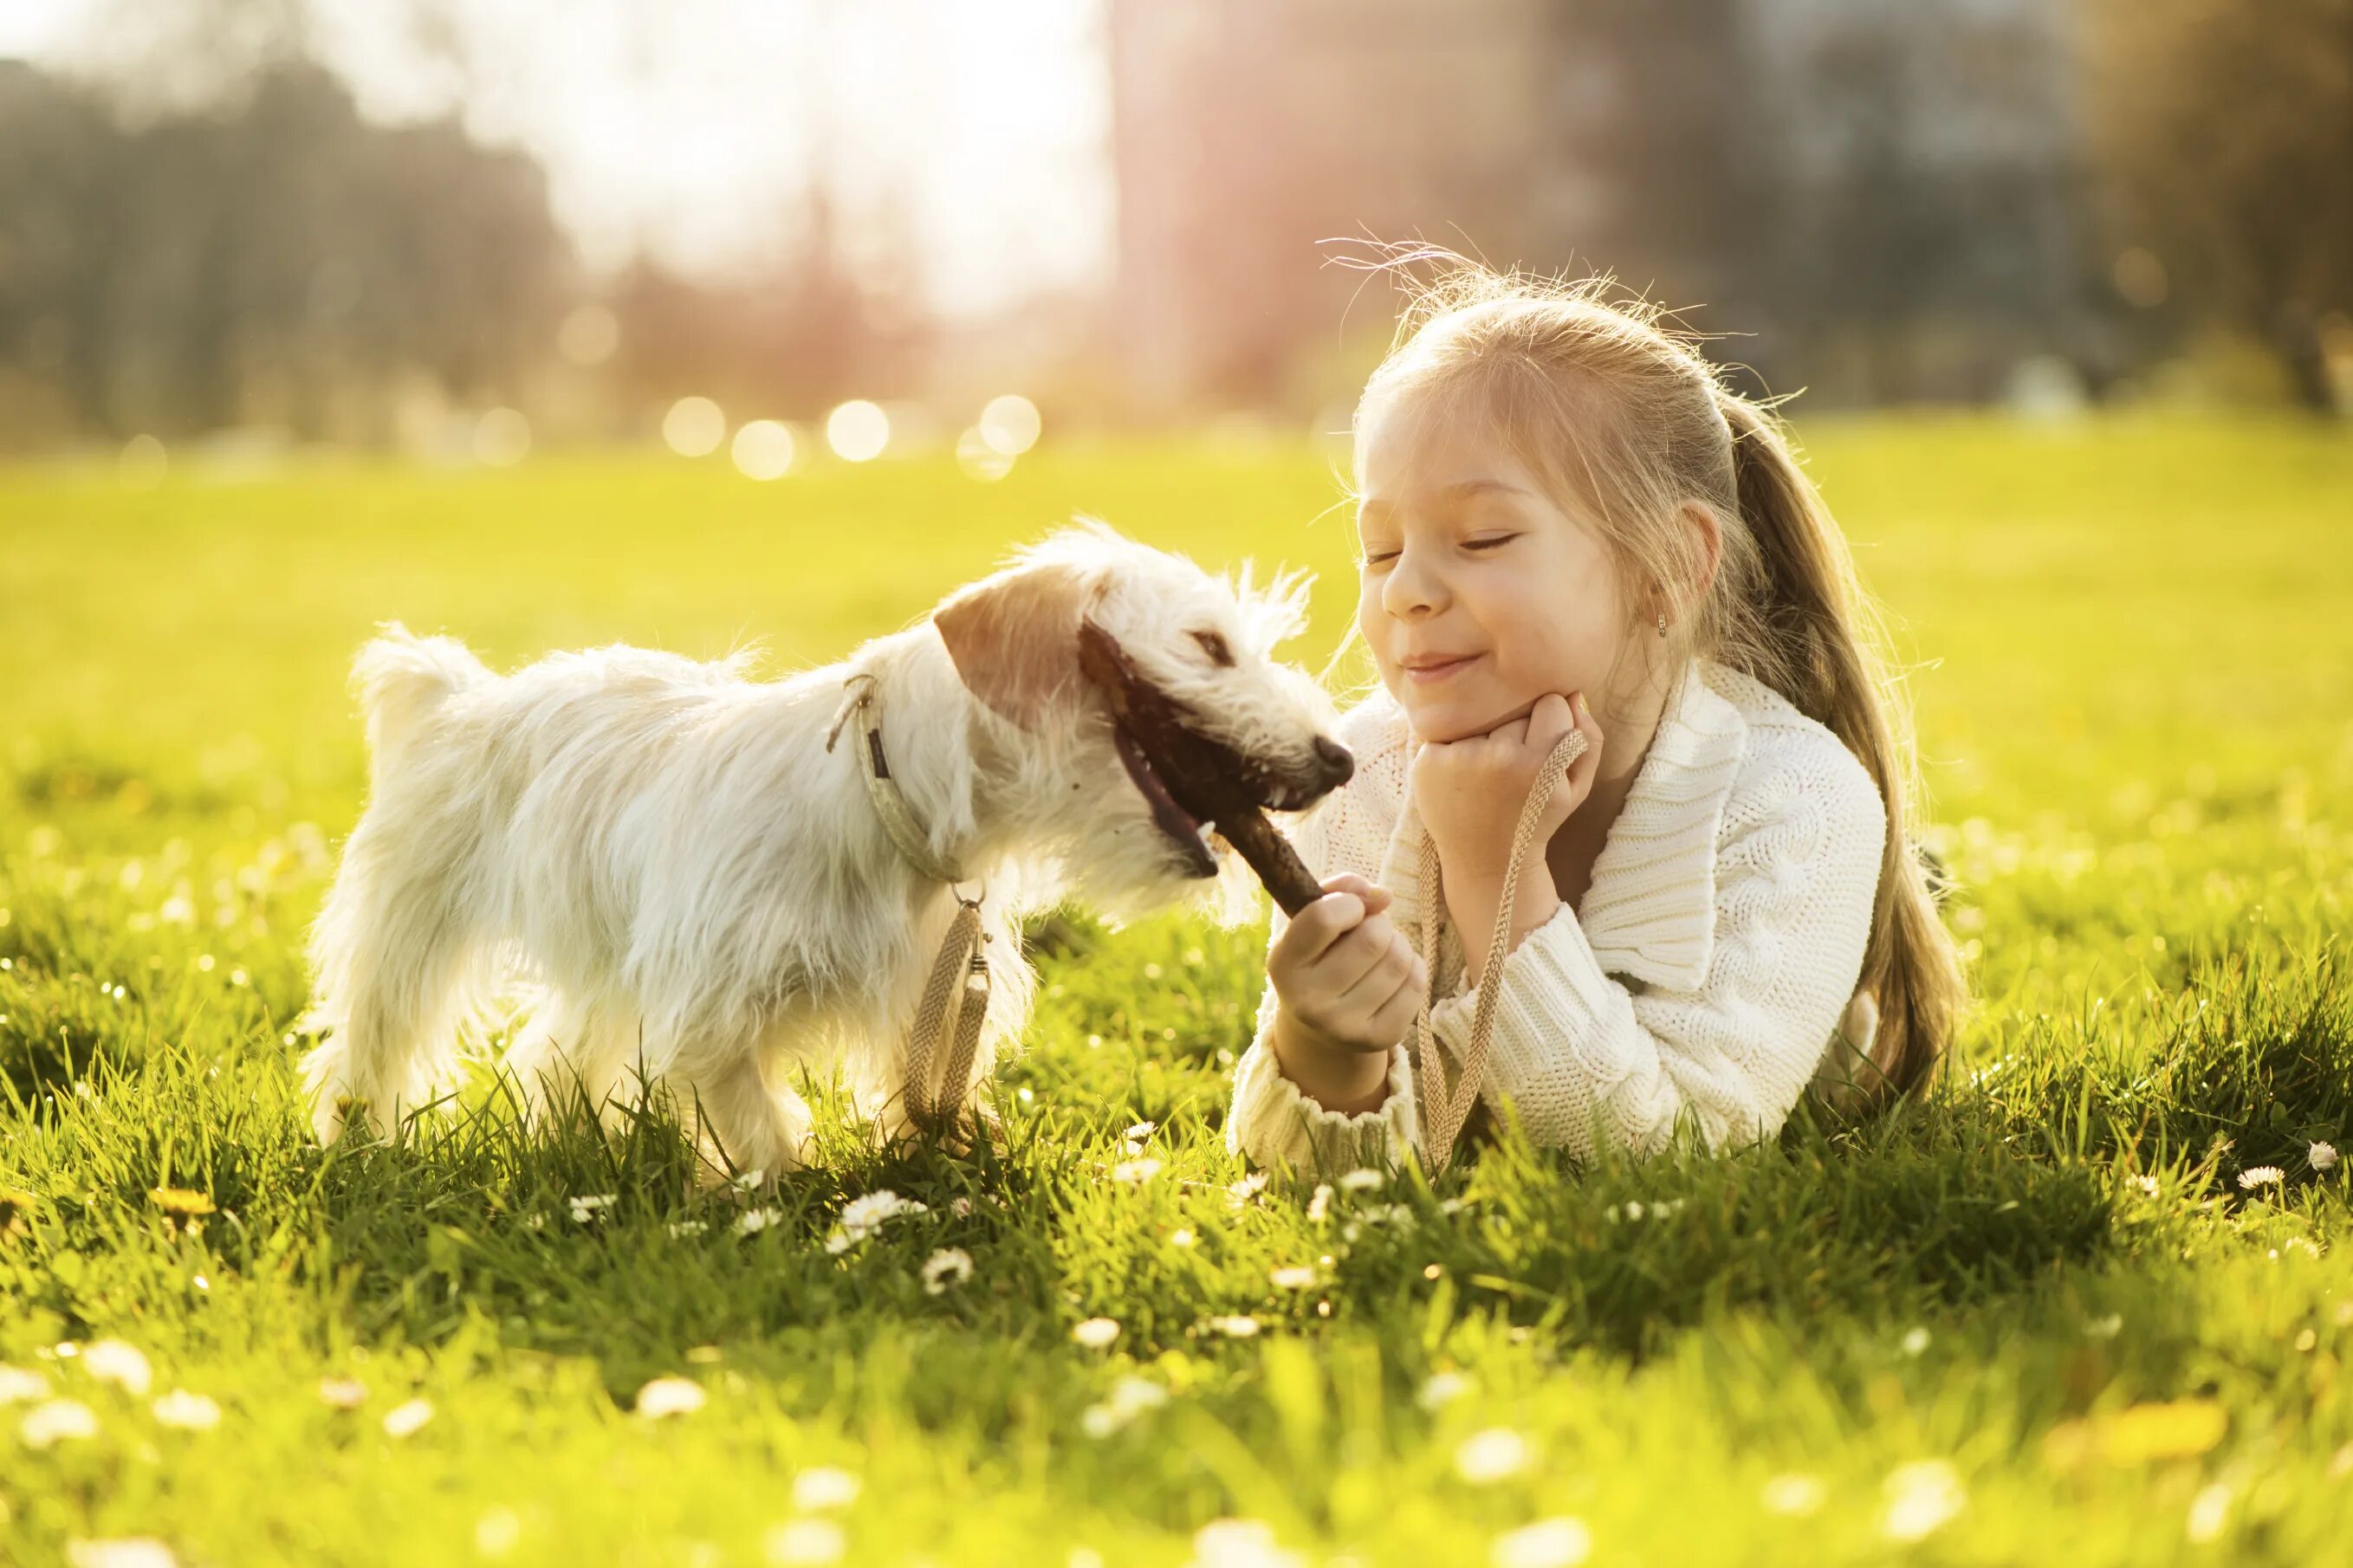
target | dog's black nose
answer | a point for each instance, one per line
(1338, 766)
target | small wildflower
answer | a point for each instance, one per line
(1096, 1333)
(1239, 1326)
(947, 1267)
(681, 1227)
(750, 1222)
(188, 1412)
(1922, 1498)
(1915, 1340)
(2145, 1185)
(1247, 1189)
(121, 1552)
(864, 1215)
(342, 1392)
(2255, 1176)
(748, 1180)
(1319, 1205)
(1137, 1134)
(961, 1207)
(2105, 1328)
(18, 1383)
(56, 1421)
(802, 1543)
(1792, 1494)
(184, 1200)
(584, 1209)
(670, 1396)
(496, 1532)
(1491, 1455)
(1238, 1543)
(1181, 1237)
(1130, 1397)
(2209, 1510)
(1441, 1389)
(823, 1487)
(403, 1419)
(113, 1360)
(1298, 1276)
(535, 1222)
(1560, 1543)
(2321, 1156)
(1363, 1180)
(1135, 1173)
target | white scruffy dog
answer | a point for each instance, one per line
(700, 891)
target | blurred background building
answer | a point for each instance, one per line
(462, 229)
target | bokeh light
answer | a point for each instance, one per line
(979, 459)
(694, 426)
(762, 451)
(588, 336)
(502, 439)
(143, 463)
(1010, 424)
(2140, 279)
(858, 431)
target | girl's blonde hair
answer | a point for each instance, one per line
(1607, 406)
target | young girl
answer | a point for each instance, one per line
(1567, 522)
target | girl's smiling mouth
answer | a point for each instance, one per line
(1422, 672)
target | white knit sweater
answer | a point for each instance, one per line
(1709, 973)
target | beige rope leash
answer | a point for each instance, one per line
(1444, 1110)
(944, 1004)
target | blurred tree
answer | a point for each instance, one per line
(2225, 132)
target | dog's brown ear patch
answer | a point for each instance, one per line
(1015, 637)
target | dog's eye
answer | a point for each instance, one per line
(1215, 647)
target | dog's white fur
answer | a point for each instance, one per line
(701, 893)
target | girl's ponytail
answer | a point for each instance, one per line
(1818, 643)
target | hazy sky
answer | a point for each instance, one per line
(690, 124)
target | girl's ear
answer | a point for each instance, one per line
(1015, 637)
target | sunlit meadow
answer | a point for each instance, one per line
(2089, 1303)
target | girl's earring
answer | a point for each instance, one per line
(1663, 623)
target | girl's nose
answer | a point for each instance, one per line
(1410, 590)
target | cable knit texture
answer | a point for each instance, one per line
(1706, 978)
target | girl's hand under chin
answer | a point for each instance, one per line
(1470, 794)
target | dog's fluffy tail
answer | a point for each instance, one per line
(401, 677)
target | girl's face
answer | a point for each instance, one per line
(1477, 593)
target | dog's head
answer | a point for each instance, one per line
(1147, 702)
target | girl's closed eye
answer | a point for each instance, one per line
(1376, 557)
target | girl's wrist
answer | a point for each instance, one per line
(1337, 1077)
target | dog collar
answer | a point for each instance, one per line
(889, 803)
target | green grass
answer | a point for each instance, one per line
(2043, 1296)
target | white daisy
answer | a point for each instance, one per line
(1491, 1455)
(1922, 1498)
(584, 1209)
(947, 1267)
(871, 1212)
(823, 1487)
(342, 1392)
(680, 1228)
(1363, 1180)
(188, 1412)
(17, 1383)
(670, 1396)
(1238, 1543)
(1297, 1277)
(2321, 1156)
(113, 1360)
(1561, 1542)
(1181, 1237)
(2255, 1176)
(1135, 1173)
(122, 1552)
(1319, 1205)
(1792, 1494)
(1240, 1326)
(801, 1542)
(1096, 1333)
(403, 1419)
(750, 1222)
(1441, 1389)
(56, 1421)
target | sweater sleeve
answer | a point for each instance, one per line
(1586, 1060)
(1270, 1122)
